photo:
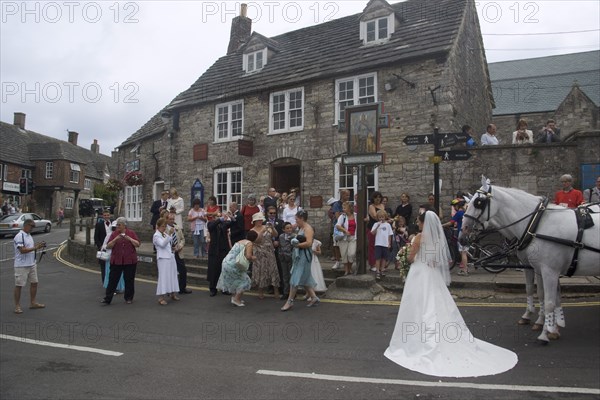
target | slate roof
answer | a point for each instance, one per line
(332, 49)
(24, 147)
(541, 84)
(428, 28)
(153, 126)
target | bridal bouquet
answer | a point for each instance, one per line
(402, 257)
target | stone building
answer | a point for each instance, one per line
(61, 171)
(267, 113)
(564, 88)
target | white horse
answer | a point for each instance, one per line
(515, 214)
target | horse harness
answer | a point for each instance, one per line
(582, 216)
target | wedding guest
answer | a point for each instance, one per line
(197, 219)
(233, 279)
(522, 135)
(264, 268)
(178, 242)
(316, 270)
(159, 206)
(123, 260)
(248, 211)
(285, 257)
(549, 134)
(290, 211)
(175, 202)
(346, 223)
(101, 230)
(301, 259)
(405, 208)
(376, 205)
(592, 194)
(121, 284)
(382, 231)
(213, 211)
(218, 248)
(236, 230)
(167, 284)
(568, 196)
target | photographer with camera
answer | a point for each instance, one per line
(25, 265)
(550, 133)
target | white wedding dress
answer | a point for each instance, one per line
(431, 336)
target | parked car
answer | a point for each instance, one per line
(12, 224)
(91, 207)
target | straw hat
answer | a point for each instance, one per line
(258, 217)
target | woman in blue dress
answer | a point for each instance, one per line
(301, 262)
(232, 278)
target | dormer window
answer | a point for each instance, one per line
(377, 30)
(255, 61)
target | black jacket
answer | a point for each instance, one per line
(100, 233)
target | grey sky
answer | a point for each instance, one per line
(104, 68)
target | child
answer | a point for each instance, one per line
(383, 241)
(285, 257)
(315, 267)
(456, 223)
(400, 237)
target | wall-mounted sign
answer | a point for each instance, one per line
(246, 148)
(132, 166)
(201, 152)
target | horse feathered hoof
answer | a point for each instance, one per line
(553, 336)
(524, 321)
(537, 327)
(542, 342)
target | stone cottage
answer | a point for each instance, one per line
(267, 113)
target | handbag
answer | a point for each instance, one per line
(102, 255)
(337, 234)
(241, 262)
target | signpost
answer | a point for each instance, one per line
(439, 140)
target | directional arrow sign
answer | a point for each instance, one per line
(461, 136)
(455, 155)
(449, 139)
(413, 140)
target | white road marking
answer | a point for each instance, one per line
(62, 346)
(439, 384)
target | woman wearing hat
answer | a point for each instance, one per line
(264, 269)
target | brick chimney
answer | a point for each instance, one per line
(95, 147)
(241, 28)
(20, 120)
(73, 137)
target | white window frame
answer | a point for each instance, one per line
(230, 136)
(69, 201)
(74, 173)
(49, 170)
(231, 190)
(133, 203)
(339, 169)
(87, 184)
(286, 111)
(357, 99)
(249, 61)
(2, 168)
(390, 30)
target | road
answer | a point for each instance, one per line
(203, 347)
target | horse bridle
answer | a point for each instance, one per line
(481, 202)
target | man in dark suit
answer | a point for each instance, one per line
(101, 229)
(270, 200)
(157, 207)
(549, 134)
(236, 230)
(217, 250)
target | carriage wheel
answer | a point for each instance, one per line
(491, 249)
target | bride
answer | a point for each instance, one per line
(431, 336)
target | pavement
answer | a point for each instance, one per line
(478, 284)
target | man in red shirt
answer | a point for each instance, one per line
(568, 197)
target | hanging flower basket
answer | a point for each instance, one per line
(114, 185)
(134, 178)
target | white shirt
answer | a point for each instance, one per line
(289, 214)
(23, 239)
(383, 233)
(488, 139)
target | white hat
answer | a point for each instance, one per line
(331, 201)
(258, 217)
